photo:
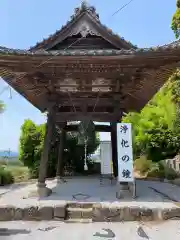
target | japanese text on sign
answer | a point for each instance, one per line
(125, 153)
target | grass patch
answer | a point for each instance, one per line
(142, 165)
(147, 168)
(5, 177)
(12, 162)
(19, 173)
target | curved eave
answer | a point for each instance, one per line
(24, 94)
(169, 49)
(168, 57)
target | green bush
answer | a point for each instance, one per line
(31, 146)
(170, 173)
(162, 171)
(3, 162)
(19, 173)
(6, 177)
(156, 173)
(10, 162)
(142, 165)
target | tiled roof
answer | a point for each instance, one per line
(84, 8)
(104, 52)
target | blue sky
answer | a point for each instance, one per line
(23, 23)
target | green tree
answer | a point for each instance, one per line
(2, 107)
(175, 24)
(153, 127)
(31, 145)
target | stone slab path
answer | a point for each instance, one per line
(92, 231)
(84, 189)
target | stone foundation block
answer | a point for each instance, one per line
(172, 213)
(106, 214)
(46, 213)
(80, 205)
(118, 214)
(60, 211)
(86, 213)
(6, 213)
(139, 214)
(31, 214)
(74, 213)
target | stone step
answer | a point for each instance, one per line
(79, 213)
(80, 205)
(79, 220)
(101, 212)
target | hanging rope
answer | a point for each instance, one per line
(85, 155)
(83, 129)
(89, 134)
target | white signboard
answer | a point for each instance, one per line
(125, 152)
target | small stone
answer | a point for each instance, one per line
(60, 211)
(46, 213)
(6, 213)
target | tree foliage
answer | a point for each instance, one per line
(2, 107)
(175, 24)
(31, 145)
(154, 131)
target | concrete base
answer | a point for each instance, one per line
(60, 180)
(123, 190)
(43, 191)
(126, 190)
(123, 186)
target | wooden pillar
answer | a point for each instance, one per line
(42, 189)
(114, 148)
(59, 171)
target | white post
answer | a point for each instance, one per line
(125, 155)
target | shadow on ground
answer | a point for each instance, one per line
(9, 232)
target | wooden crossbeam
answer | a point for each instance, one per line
(97, 117)
(98, 128)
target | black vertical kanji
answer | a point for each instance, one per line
(124, 143)
(125, 158)
(123, 129)
(126, 173)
